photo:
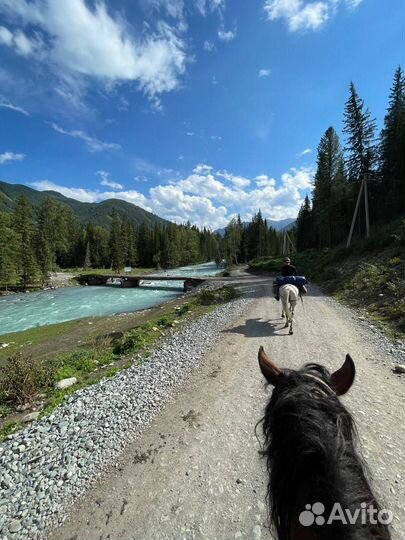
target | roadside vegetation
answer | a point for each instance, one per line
(370, 274)
(27, 381)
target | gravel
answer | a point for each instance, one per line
(45, 467)
(393, 350)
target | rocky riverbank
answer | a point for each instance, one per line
(47, 466)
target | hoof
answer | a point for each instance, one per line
(291, 332)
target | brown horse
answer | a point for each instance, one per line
(317, 489)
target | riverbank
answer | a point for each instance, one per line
(87, 350)
(48, 465)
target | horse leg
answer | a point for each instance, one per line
(291, 332)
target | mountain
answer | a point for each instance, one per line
(279, 225)
(96, 213)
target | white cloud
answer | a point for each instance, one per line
(304, 15)
(263, 180)
(8, 105)
(106, 180)
(93, 144)
(264, 72)
(305, 152)
(190, 133)
(208, 46)
(210, 198)
(6, 37)
(5, 157)
(174, 204)
(238, 181)
(23, 45)
(209, 6)
(215, 137)
(227, 35)
(97, 43)
(201, 168)
(298, 178)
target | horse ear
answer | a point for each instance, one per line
(343, 378)
(268, 367)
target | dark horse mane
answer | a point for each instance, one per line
(310, 447)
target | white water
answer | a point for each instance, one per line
(27, 310)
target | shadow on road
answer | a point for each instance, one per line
(260, 328)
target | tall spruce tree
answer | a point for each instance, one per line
(115, 243)
(392, 150)
(24, 226)
(360, 128)
(305, 226)
(329, 191)
(9, 249)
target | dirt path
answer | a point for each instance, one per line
(196, 473)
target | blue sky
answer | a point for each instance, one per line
(192, 109)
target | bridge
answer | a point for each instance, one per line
(128, 281)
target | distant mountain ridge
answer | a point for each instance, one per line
(95, 213)
(279, 225)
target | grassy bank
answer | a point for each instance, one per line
(107, 346)
(369, 275)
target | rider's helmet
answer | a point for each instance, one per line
(287, 260)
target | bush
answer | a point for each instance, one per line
(182, 310)
(165, 321)
(23, 377)
(81, 362)
(208, 297)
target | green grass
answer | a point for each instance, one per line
(9, 429)
(33, 336)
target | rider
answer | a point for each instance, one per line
(288, 268)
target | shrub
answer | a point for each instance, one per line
(81, 362)
(181, 310)
(23, 377)
(165, 321)
(208, 297)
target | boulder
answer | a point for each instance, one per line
(65, 383)
(30, 416)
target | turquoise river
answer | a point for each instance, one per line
(27, 310)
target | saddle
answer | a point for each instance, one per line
(298, 281)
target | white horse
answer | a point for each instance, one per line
(289, 298)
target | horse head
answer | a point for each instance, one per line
(311, 452)
(339, 381)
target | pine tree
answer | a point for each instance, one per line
(87, 258)
(25, 228)
(115, 243)
(329, 191)
(392, 150)
(50, 223)
(360, 129)
(9, 249)
(305, 226)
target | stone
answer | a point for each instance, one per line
(65, 383)
(15, 526)
(398, 368)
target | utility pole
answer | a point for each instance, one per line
(363, 188)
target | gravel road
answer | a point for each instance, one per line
(196, 474)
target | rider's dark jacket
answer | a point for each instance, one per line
(288, 270)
